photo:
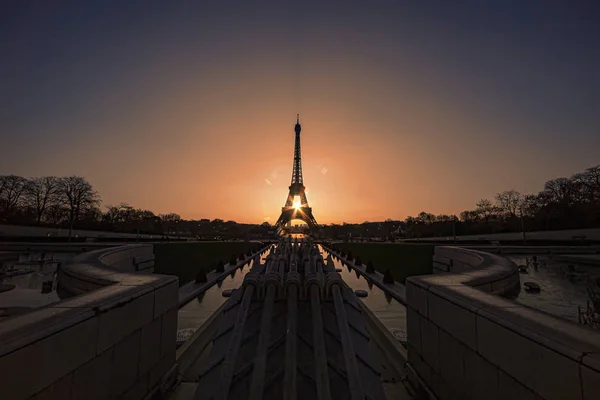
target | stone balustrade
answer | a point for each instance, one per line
(115, 338)
(465, 341)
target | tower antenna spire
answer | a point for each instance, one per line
(297, 118)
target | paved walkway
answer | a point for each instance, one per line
(270, 340)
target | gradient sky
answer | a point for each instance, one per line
(189, 107)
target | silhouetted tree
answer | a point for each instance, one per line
(41, 193)
(508, 202)
(78, 195)
(12, 190)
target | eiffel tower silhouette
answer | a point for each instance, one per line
(300, 208)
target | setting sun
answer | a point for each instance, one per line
(297, 204)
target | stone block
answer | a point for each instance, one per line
(572, 340)
(549, 374)
(430, 344)
(448, 390)
(591, 360)
(104, 299)
(139, 389)
(124, 370)
(92, 380)
(509, 388)
(166, 298)
(419, 365)
(169, 332)
(435, 384)
(60, 389)
(151, 343)
(54, 356)
(590, 383)
(158, 372)
(36, 325)
(119, 322)
(413, 328)
(459, 322)
(442, 280)
(481, 377)
(416, 297)
(139, 279)
(451, 356)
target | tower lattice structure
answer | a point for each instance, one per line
(301, 210)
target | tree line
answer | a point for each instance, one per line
(68, 202)
(563, 203)
(47, 200)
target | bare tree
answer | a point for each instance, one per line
(78, 195)
(486, 209)
(425, 218)
(12, 188)
(590, 182)
(469, 216)
(171, 220)
(508, 202)
(56, 213)
(560, 190)
(41, 193)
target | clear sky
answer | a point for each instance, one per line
(189, 107)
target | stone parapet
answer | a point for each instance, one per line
(115, 338)
(466, 342)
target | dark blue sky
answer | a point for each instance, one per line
(507, 90)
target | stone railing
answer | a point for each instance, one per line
(116, 338)
(466, 342)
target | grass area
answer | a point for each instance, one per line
(403, 260)
(187, 259)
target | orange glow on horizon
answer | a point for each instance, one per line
(375, 145)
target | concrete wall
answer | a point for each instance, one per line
(74, 248)
(117, 338)
(19, 230)
(566, 234)
(537, 249)
(466, 343)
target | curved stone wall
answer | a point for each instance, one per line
(95, 269)
(466, 342)
(484, 271)
(115, 338)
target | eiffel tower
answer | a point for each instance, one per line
(298, 209)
